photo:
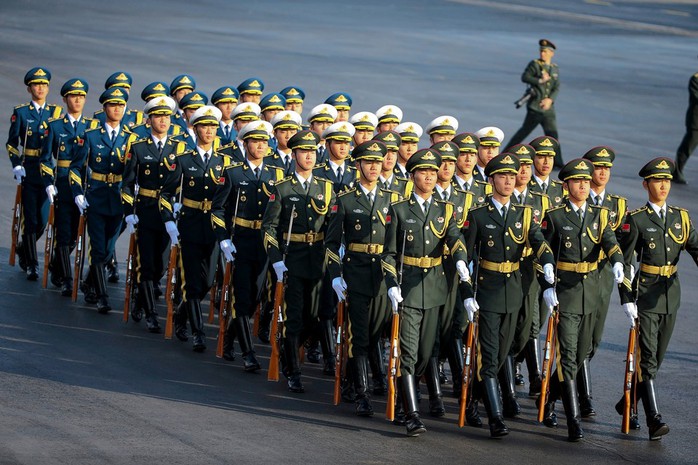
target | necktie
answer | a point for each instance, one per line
(41, 111)
(580, 214)
(598, 200)
(339, 173)
(256, 172)
(425, 207)
(661, 215)
(305, 185)
(370, 198)
(226, 130)
(517, 197)
(160, 147)
(206, 157)
(503, 211)
(444, 195)
(75, 125)
(113, 136)
(544, 186)
(287, 162)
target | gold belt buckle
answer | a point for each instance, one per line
(505, 267)
(310, 237)
(110, 178)
(206, 205)
(425, 262)
(665, 271)
(372, 248)
(582, 267)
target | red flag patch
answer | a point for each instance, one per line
(272, 197)
(14, 118)
(466, 225)
(544, 225)
(335, 207)
(387, 219)
(626, 227)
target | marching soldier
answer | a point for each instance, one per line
(320, 118)
(420, 226)
(359, 220)
(270, 106)
(25, 130)
(409, 143)
(286, 124)
(655, 233)
(442, 129)
(204, 189)
(468, 146)
(388, 179)
(242, 114)
(498, 233)
(310, 198)
(578, 232)
(150, 161)
(149, 92)
(189, 104)
(104, 153)
(546, 149)
(131, 118)
(179, 87)
(389, 116)
(689, 142)
(61, 142)
(365, 124)
(341, 101)
(226, 99)
(602, 160)
(251, 90)
(490, 139)
(294, 96)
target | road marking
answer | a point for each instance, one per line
(598, 2)
(677, 13)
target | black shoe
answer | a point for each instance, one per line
(199, 342)
(56, 280)
(312, 351)
(229, 355)
(414, 425)
(88, 291)
(519, 378)
(103, 306)
(512, 409)
(364, 407)
(586, 408)
(32, 273)
(657, 428)
(263, 334)
(534, 387)
(152, 323)
(328, 368)
(497, 428)
(136, 313)
(250, 363)
(295, 385)
(472, 416)
(67, 287)
(181, 333)
(443, 379)
(113, 272)
(436, 407)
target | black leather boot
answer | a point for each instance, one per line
(532, 356)
(312, 345)
(363, 399)
(436, 403)
(87, 286)
(399, 419)
(443, 379)
(584, 390)
(620, 405)
(572, 412)
(472, 415)
(66, 272)
(375, 359)
(518, 376)
(681, 159)
(55, 268)
(506, 382)
(413, 423)
(196, 320)
(347, 388)
(147, 297)
(113, 270)
(103, 306)
(229, 341)
(327, 343)
(455, 362)
(22, 254)
(265, 314)
(32, 257)
(138, 304)
(493, 405)
(180, 322)
(549, 415)
(657, 427)
(249, 361)
(291, 346)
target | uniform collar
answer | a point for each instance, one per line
(657, 208)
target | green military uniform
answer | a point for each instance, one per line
(547, 147)
(578, 243)
(657, 243)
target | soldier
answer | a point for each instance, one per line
(243, 114)
(546, 149)
(578, 232)
(226, 99)
(149, 164)
(61, 142)
(602, 160)
(690, 138)
(542, 77)
(421, 226)
(409, 142)
(388, 179)
(468, 146)
(655, 233)
(286, 124)
(442, 129)
(365, 124)
(498, 234)
(341, 101)
(490, 139)
(200, 173)
(320, 118)
(251, 185)
(389, 116)
(25, 130)
(251, 90)
(181, 86)
(122, 80)
(189, 104)
(358, 220)
(270, 105)
(149, 92)
(104, 153)
(312, 198)
(294, 96)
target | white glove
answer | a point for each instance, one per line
(340, 287)
(81, 202)
(550, 298)
(51, 192)
(618, 275)
(171, 229)
(462, 270)
(176, 208)
(471, 306)
(632, 272)
(18, 172)
(228, 250)
(342, 251)
(549, 273)
(280, 269)
(630, 310)
(395, 296)
(131, 221)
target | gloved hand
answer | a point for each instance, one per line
(176, 208)
(18, 172)
(471, 306)
(632, 272)
(342, 251)
(340, 287)
(395, 296)
(462, 270)
(81, 202)
(549, 273)
(228, 249)
(630, 310)
(51, 192)
(550, 298)
(280, 269)
(171, 229)
(131, 221)
(618, 275)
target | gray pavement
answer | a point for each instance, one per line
(78, 387)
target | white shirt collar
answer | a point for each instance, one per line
(540, 181)
(421, 201)
(335, 167)
(499, 206)
(202, 152)
(110, 130)
(441, 190)
(366, 192)
(522, 194)
(192, 133)
(576, 208)
(156, 140)
(38, 107)
(72, 120)
(657, 208)
(301, 179)
(481, 170)
(252, 167)
(593, 196)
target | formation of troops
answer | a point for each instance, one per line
(349, 209)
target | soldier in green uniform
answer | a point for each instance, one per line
(421, 226)
(310, 199)
(388, 179)
(468, 146)
(358, 220)
(498, 233)
(690, 139)
(490, 139)
(409, 143)
(577, 232)
(602, 159)
(546, 149)
(543, 79)
(655, 234)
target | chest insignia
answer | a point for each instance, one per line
(490, 226)
(357, 210)
(193, 168)
(410, 221)
(440, 220)
(651, 230)
(677, 225)
(294, 199)
(244, 183)
(100, 146)
(567, 228)
(147, 157)
(517, 225)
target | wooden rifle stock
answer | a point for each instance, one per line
(223, 309)
(212, 297)
(130, 275)
(630, 374)
(548, 361)
(468, 368)
(340, 352)
(393, 363)
(48, 246)
(16, 219)
(79, 256)
(170, 290)
(276, 330)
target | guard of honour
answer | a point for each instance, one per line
(348, 234)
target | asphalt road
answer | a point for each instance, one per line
(78, 387)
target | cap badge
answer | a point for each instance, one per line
(78, 84)
(390, 138)
(40, 72)
(490, 133)
(254, 83)
(546, 143)
(292, 91)
(309, 136)
(374, 148)
(341, 98)
(663, 165)
(275, 99)
(122, 77)
(603, 153)
(228, 91)
(159, 86)
(117, 93)
(428, 156)
(197, 98)
(468, 140)
(581, 166)
(185, 80)
(523, 151)
(507, 160)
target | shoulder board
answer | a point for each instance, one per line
(139, 142)
(98, 112)
(613, 196)
(555, 183)
(227, 160)
(236, 164)
(460, 191)
(559, 207)
(319, 178)
(348, 191)
(524, 206)
(387, 191)
(539, 194)
(678, 208)
(479, 207)
(286, 179)
(180, 149)
(638, 210)
(321, 165)
(400, 201)
(93, 129)
(94, 124)
(22, 106)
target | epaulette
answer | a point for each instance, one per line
(614, 196)
(286, 179)
(321, 165)
(93, 129)
(227, 160)
(319, 178)
(559, 207)
(22, 105)
(400, 201)
(180, 149)
(98, 112)
(677, 208)
(139, 141)
(387, 191)
(93, 123)
(348, 191)
(478, 207)
(541, 194)
(638, 210)
(236, 165)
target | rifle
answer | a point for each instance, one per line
(17, 210)
(394, 360)
(549, 349)
(212, 294)
(130, 268)
(277, 318)
(528, 93)
(48, 246)
(630, 378)
(470, 350)
(340, 352)
(79, 255)
(172, 276)
(226, 291)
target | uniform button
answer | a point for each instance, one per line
(348, 259)
(506, 233)
(507, 247)
(205, 187)
(584, 248)
(373, 232)
(310, 219)
(668, 249)
(259, 190)
(584, 234)
(160, 175)
(373, 259)
(206, 175)
(111, 164)
(508, 275)
(668, 263)
(259, 203)
(426, 228)
(427, 242)
(425, 270)
(585, 276)
(308, 205)
(373, 217)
